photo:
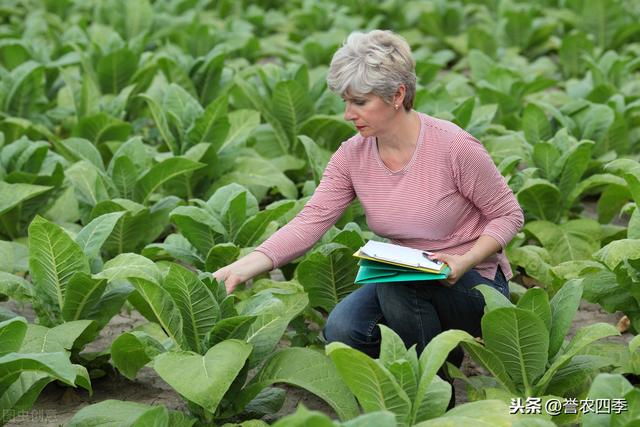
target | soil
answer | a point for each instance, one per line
(56, 405)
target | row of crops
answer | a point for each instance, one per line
(145, 144)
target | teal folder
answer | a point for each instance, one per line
(377, 272)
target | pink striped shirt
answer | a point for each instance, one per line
(445, 197)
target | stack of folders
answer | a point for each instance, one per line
(386, 262)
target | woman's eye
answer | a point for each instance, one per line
(359, 102)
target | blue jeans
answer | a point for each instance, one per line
(416, 311)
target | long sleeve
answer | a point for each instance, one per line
(324, 208)
(478, 180)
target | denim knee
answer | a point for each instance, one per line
(344, 331)
(354, 321)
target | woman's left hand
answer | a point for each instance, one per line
(458, 264)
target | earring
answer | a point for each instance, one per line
(396, 106)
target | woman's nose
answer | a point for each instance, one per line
(348, 113)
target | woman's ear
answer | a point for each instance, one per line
(398, 98)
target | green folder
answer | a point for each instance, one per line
(377, 272)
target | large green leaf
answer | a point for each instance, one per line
(162, 172)
(575, 377)
(318, 157)
(212, 126)
(131, 230)
(603, 288)
(14, 257)
(536, 300)
(164, 309)
(291, 106)
(594, 123)
(402, 363)
(617, 252)
(574, 240)
(266, 110)
(12, 333)
(233, 214)
(403, 372)
(13, 52)
(241, 124)
(130, 20)
(16, 287)
(235, 327)
(373, 385)
(630, 171)
(180, 107)
(431, 359)
(259, 172)
(593, 183)
(491, 363)
(115, 69)
(392, 347)
(608, 386)
(124, 176)
(22, 394)
(202, 229)
(564, 306)
(56, 365)
(535, 124)
(203, 379)
(223, 197)
(101, 127)
(126, 266)
(574, 163)
(132, 350)
(598, 18)
(175, 246)
(128, 414)
(328, 278)
(545, 156)
(581, 339)
(26, 90)
(221, 255)
(81, 295)
(109, 304)
(77, 149)
(93, 235)
(87, 180)
(11, 195)
(540, 199)
(252, 230)
(573, 46)
(160, 119)
(54, 258)
(66, 336)
(327, 131)
(520, 340)
(274, 309)
(307, 369)
(206, 74)
(198, 307)
(483, 413)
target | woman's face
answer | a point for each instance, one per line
(369, 113)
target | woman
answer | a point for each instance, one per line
(423, 183)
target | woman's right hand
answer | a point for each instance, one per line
(243, 269)
(231, 278)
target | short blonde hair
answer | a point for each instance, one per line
(376, 62)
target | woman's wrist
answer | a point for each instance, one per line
(253, 264)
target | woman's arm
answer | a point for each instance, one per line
(243, 269)
(484, 247)
(479, 180)
(324, 208)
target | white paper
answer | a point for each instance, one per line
(399, 254)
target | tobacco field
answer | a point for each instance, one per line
(145, 144)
